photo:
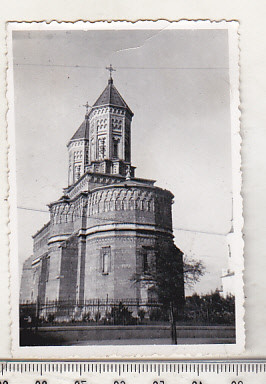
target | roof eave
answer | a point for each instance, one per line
(115, 106)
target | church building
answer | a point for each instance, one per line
(108, 226)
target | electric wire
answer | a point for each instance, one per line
(116, 220)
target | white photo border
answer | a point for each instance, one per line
(126, 351)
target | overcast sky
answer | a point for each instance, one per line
(177, 84)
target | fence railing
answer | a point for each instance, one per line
(94, 311)
(208, 309)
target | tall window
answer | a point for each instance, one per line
(127, 148)
(101, 148)
(106, 260)
(86, 156)
(115, 154)
(148, 259)
(145, 260)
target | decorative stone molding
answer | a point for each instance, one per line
(54, 239)
(125, 227)
(122, 199)
(111, 199)
(68, 212)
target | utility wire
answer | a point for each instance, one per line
(122, 221)
(87, 66)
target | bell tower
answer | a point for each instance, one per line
(102, 144)
(78, 151)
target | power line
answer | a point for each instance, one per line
(90, 67)
(123, 221)
(32, 209)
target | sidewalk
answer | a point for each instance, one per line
(154, 341)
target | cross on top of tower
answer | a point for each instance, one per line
(110, 69)
(87, 106)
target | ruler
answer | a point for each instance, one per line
(133, 372)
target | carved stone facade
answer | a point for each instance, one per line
(102, 144)
(108, 225)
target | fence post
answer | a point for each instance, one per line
(106, 307)
(37, 314)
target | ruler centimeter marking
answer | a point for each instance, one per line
(158, 368)
(133, 372)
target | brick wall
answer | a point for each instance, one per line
(68, 269)
(53, 283)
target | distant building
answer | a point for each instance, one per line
(227, 277)
(228, 274)
(108, 225)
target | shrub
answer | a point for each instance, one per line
(211, 309)
(50, 318)
(86, 317)
(122, 316)
(97, 316)
(158, 314)
(141, 314)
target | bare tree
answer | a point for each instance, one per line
(167, 276)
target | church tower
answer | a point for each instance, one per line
(102, 144)
(78, 152)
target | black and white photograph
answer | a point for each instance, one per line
(127, 213)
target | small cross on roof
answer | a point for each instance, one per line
(87, 106)
(110, 69)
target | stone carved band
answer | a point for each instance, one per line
(112, 199)
(124, 227)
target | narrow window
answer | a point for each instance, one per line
(145, 261)
(86, 156)
(148, 259)
(106, 260)
(115, 149)
(102, 148)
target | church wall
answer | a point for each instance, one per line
(122, 206)
(26, 281)
(126, 250)
(53, 281)
(33, 280)
(62, 216)
(36, 272)
(44, 270)
(40, 241)
(81, 267)
(99, 283)
(115, 281)
(68, 270)
(125, 266)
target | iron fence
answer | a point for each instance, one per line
(94, 311)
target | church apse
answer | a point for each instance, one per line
(108, 223)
